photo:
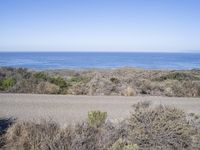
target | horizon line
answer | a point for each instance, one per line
(61, 51)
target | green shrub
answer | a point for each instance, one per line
(120, 144)
(41, 75)
(59, 82)
(180, 76)
(7, 83)
(131, 147)
(114, 80)
(80, 79)
(97, 118)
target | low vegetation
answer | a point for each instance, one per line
(180, 76)
(96, 118)
(7, 82)
(157, 128)
(124, 82)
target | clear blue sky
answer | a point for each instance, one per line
(99, 25)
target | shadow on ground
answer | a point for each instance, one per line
(4, 125)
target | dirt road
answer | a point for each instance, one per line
(70, 109)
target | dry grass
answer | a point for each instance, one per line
(157, 128)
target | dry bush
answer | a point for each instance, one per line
(47, 88)
(177, 75)
(194, 121)
(160, 128)
(182, 89)
(78, 89)
(49, 136)
(86, 137)
(147, 87)
(30, 135)
(100, 85)
(129, 91)
(111, 132)
(192, 88)
(24, 86)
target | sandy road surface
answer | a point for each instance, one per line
(70, 109)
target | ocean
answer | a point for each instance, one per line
(89, 60)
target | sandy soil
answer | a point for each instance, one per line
(70, 109)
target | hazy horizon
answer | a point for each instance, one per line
(100, 26)
(95, 51)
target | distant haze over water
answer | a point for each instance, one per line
(85, 60)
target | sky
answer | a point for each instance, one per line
(100, 25)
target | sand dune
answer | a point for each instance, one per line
(69, 109)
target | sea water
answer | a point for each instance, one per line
(86, 60)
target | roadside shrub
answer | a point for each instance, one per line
(151, 88)
(78, 89)
(59, 82)
(30, 135)
(120, 144)
(161, 127)
(194, 121)
(7, 83)
(129, 91)
(183, 89)
(47, 88)
(100, 85)
(85, 137)
(24, 86)
(113, 131)
(96, 118)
